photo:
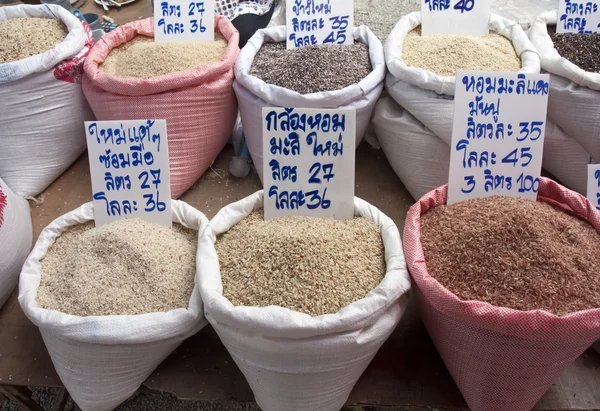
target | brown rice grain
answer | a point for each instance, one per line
(311, 265)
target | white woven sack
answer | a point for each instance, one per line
(430, 97)
(103, 360)
(428, 80)
(15, 239)
(565, 158)
(42, 106)
(253, 93)
(419, 158)
(573, 101)
(292, 361)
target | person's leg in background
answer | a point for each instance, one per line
(248, 23)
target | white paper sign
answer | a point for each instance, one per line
(593, 186)
(578, 16)
(184, 20)
(129, 167)
(459, 17)
(308, 162)
(311, 22)
(498, 135)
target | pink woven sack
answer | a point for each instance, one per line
(501, 359)
(199, 104)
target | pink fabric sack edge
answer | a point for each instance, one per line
(199, 104)
(501, 359)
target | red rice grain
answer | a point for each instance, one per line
(513, 253)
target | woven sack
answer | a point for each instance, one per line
(198, 104)
(430, 97)
(501, 359)
(565, 158)
(419, 158)
(42, 106)
(293, 361)
(253, 93)
(15, 239)
(103, 360)
(574, 93)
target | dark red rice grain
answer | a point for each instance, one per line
(513, 253)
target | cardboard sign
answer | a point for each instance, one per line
(459, 17)
(129, 167)
(184, 20)
(308, 162)
(498, 135)
(578, 17)
(311, 22)
(593, 185)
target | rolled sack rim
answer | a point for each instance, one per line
(276, 321)
(283, 97)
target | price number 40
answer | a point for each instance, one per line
(464, 5)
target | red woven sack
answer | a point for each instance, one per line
(199, 104)
(501, 359)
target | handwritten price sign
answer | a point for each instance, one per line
(311, 22)
(578, 17)
(308, 162)
(184, 20)
(498, 135)
(129, 166)
(467, 17)
(593, 191)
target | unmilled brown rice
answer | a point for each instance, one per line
(142, 57)
(126, 267)
(315, 266)
(513, 253)
(25, 37)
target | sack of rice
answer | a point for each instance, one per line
(565, 158)
(130, 77)
(15, 239)
(302, 304)
(422, 72)
(112, 302)
(419, 158)
(573, 62)
(42, 106)
(518, 301)
(332, 76)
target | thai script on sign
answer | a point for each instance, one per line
(469, 17)
(593, 186)
(308, 162)
(498, 135)
(129, 166)
(180, 20)
(581, 17)
(312, 22)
